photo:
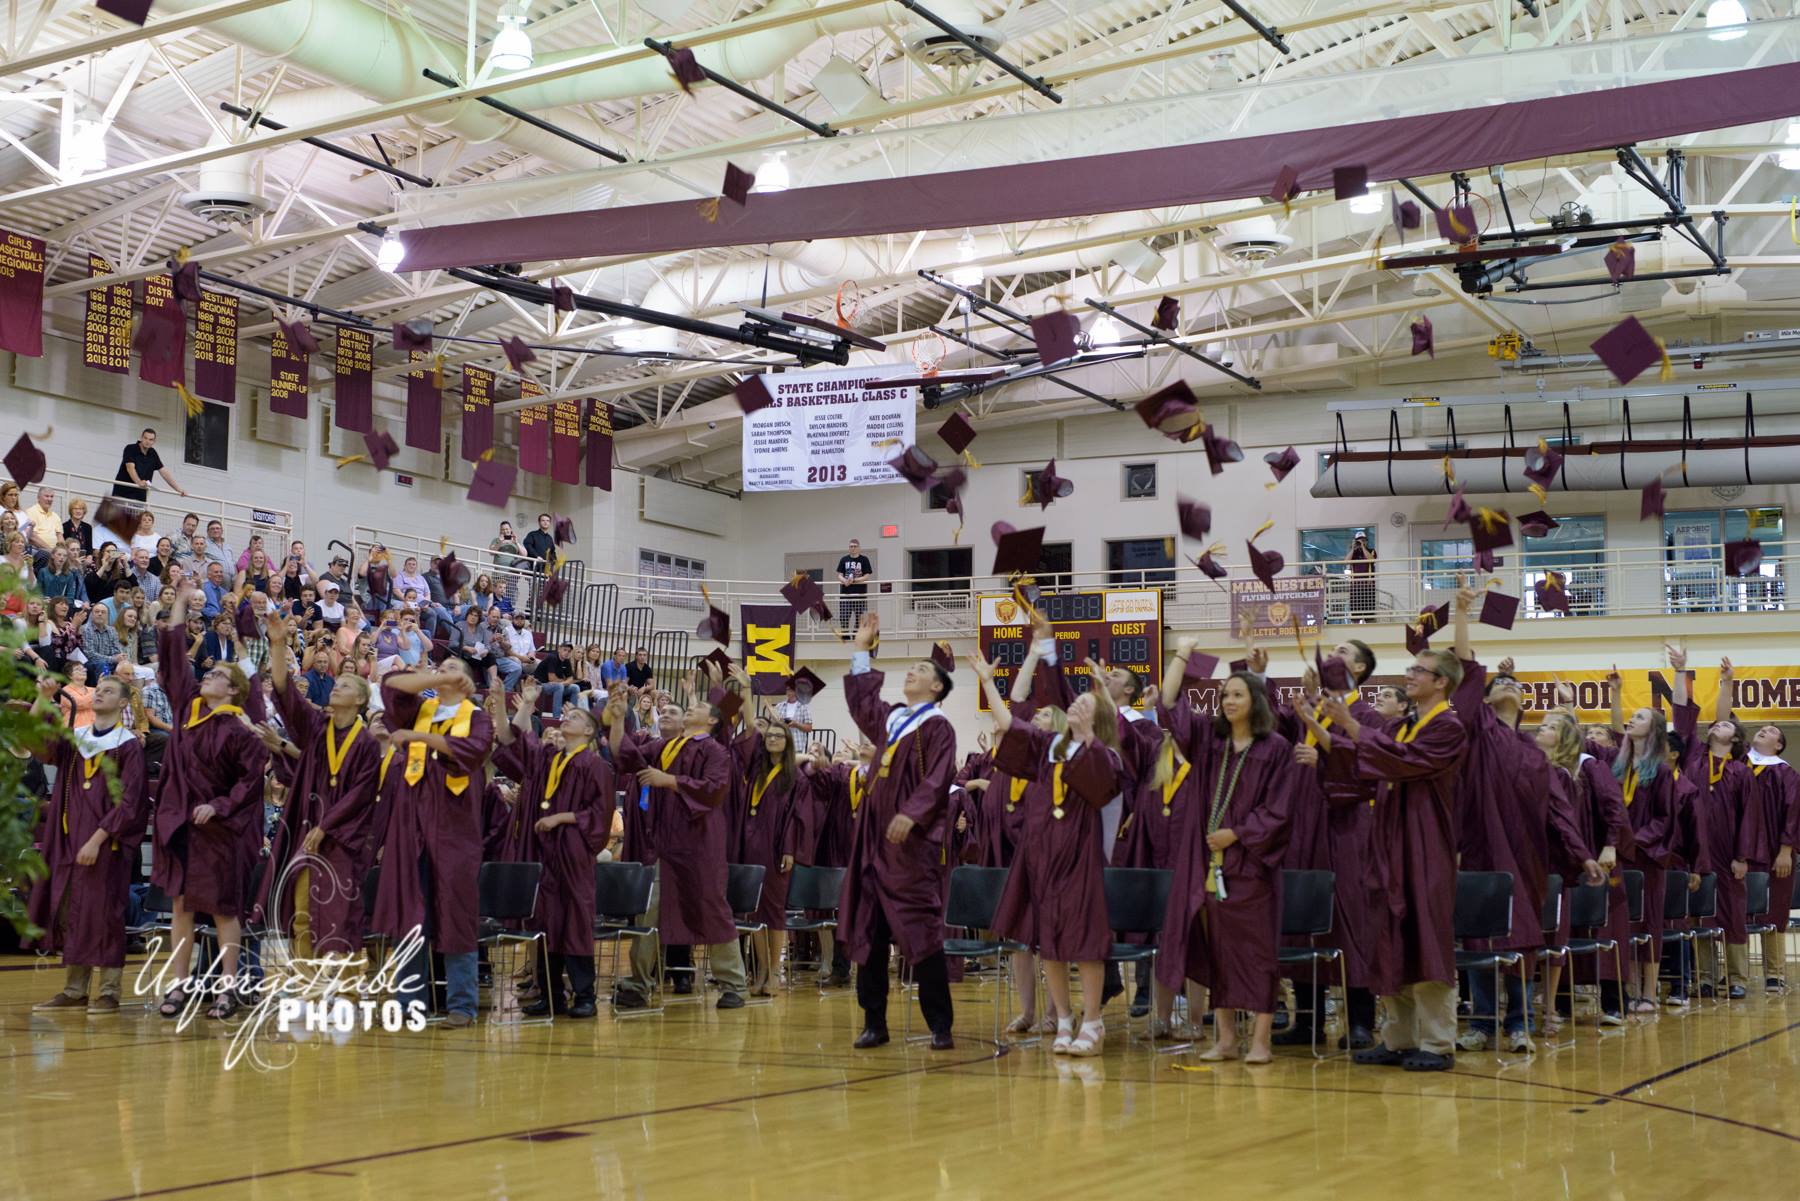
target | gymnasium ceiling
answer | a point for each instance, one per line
(1293, 296)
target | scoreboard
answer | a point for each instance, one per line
(1120, 625)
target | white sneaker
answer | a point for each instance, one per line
(1065, 1036)
(1472, 1040)
(1519, 1042)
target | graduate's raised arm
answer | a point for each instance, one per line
(997, 709)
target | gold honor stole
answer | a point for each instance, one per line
(456, 726)
(756, 793)
(1015, 789)
(557, 766)
(858, 786)
(336, 754)
(194, 718)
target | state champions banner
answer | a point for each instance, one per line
(827, 430)
(768, 647)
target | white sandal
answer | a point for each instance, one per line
(1021, 1025)
(1065, 1036)
(1090, 1041)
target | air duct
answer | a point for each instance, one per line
(1601, 467)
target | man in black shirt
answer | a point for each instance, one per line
(854, 571)
(639, 673)
(556, 672)
(139, 462)
(540, 542)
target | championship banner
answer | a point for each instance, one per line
(106, 327)
(825, 429)
(168, 366)
(534, 431)
(478, 412)
(353, 406)
(21, 294)
(599, 445)
(288, 369)
(768, 647)
(1271, 612)
(216, 347)
(565, 442)
(424, 403)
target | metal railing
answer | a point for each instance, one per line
(241, 520)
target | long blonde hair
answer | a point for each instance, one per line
(1106, 717)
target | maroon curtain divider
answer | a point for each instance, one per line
(22, 294)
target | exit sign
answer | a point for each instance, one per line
(405, 481)
(890, 531)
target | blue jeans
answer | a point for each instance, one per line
(510, 670)
(1481, 988)
(461, 987)
(559, 694)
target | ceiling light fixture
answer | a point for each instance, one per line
(1789, 160)
(84, 147)
(772, 176)
(1369, 203)
(1105, 332)
(512, 45)
(1726, 18)
(967, 273)
(391, 252)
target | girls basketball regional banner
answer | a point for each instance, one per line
(828, 429)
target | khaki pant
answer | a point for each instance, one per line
(725, 960)
(1774, 953)
(75, 981)
(1422, 1016)
(1737, 962)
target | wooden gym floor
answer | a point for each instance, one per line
(772, 1102)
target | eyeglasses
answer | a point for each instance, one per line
(1420, 669)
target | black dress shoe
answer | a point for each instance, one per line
(1360, 1038)
(941, 1041)
(1379, 1056)
(1427, 1061)
(730, 1000)
(583, 1008)
(1140, 1009)
(1294, 1036)
(625, 998)
(870, 1037)
(1737, 992)
(536, 1009)
(684, 985)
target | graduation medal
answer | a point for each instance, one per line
(1014, 790)
(1056, 791)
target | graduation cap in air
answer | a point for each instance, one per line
(412, 335)
(737, 184)
(517, 353)
(1743, 558)
(25, 462)
(1405, 212)
(1199, 666)
(915, 467)
(1418, 634)
(1265, 565)
(1650, 501)
(805, 595)
(1047, 486)
(1552, 596)
(1237, 665)
(1487, 562)
(805, 683)
(1621, 261)
(1456, 223)
(1172, 412)
(565, 531)
(753, 394)
(1220, 450)
(492, 483)
(1627, 349)
(944, 657)
(1490, 529)
(1055, 335)
(563, 297)
(1195, 517)
(1287, 184)
(715, 626)
(299, 336)
(245, 619)
(1168, 315)
(122, 520)
(135, 11)
(184, 278)
(1498, 610)
(381, 447)
(1459, 508)
(726, 701)
(719, 657)
(1281, 462)
(452, 574)
(957, 433)
(156, 334)
(686, 69)
(1018, 551)
(1211, 567)
(555, 588)
(1334, 674)
(1347, 182)
(1536, 525)
(1542, 463)
(1423, 341)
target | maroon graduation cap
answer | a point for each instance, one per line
(1490, 529)
(805, 595)
(720, 658)
(1211, 567)
(1536, 525)
(1281, 462)
(957, 433)
(412, 335)
(944, 657)
(1017, 551)
(1195, 517)
(25, 463)
(1542, 463)
(1456, 223)
(1627, 349)
(753, 394)
(805, 683)
(737, 184)
(452, 574)
(492, 483)
(299, 336)
(1334, 673)
(915, 467)
(563, 297)
(1552, 596)
(381, 447)
(1347, 182)
(1047, 486)
(555, 587)
(727, 702)
(1743, 558)
(715, 626)
(184, 278)
(1219, 451)
(1418, 634)
(1621, 261)
(1199, 666)
(1650, 501)
(120, 519)
(1055, 335)
(1168, 315)
(1286, 186)
(1498, 609)
(686, 69)
(565, 530)
(1459, 509)
(1405, 212)
(517, 353)
(1422, 339)
(1265, 565)
(245, 619)
(1172, 412)
(135, 11)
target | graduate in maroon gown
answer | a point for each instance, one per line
(209, 810)
(965, 803)
(838, 786)
(1223, 923)
(1776, 786)
(1649, 789)
(1734, 827)
(894, 888)
(565, 830)
(1415, 762)
(92, 829)
(321, 847)
(1591, 797)
(688, 775)
(431, 855)
(1055, 895)
(773, 830)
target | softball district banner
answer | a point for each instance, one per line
(1759, 693)
(829, 429)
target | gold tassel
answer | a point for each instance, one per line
(1537, 490)
(1449, 471)
(189, 401)
(709, 209)
(1668, 368)
(181, 256)
(969, 461)
(349, 459)
(1262, 529)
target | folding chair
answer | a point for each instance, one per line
(508, 892)
(1136, 900)
(1703, 908)
(1757, 889)
(1308, 909)
(1634, 913)
(621, 898)
(1484, 911)
(1590, 909)
(1555, 948)
(812, 890)
(1675, 909)
(743, 892)
(974, 896)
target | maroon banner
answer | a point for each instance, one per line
(565, 442)
(21, 294)
(424, 402)
(478, 413)
(1271, 612)
(599, 445)
(287, 376)
(163, 361)
(768, 632)
(216, 347)
(106, 328)
(534, 431)
(352, 401)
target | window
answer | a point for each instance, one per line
(945, 569)
(1328, 549)
(1139, 480)
(1441, 558)
(1576, 548)
(669, 579)
(208, 438)
(937, 498)
(1694, 579)
(1028, 487)
(1057, 566)
(1134, 561)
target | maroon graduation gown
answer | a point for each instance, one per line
(1055, 895)
(1229, 945)
(565, 905)
(82, 909)
(1778, 790)
(771, 828)
(688, 829)
(500, 832)
(1733, 819)
(434, 829)
(346, 810)
(830, 826)
(1591, 798)
(1148, 837)
(906, 882)
(965, 808)
(1413, 848)
(1655, 811)
(219, 762)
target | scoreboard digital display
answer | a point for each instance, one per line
(1123, 626)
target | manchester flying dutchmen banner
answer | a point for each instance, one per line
(827, 430)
